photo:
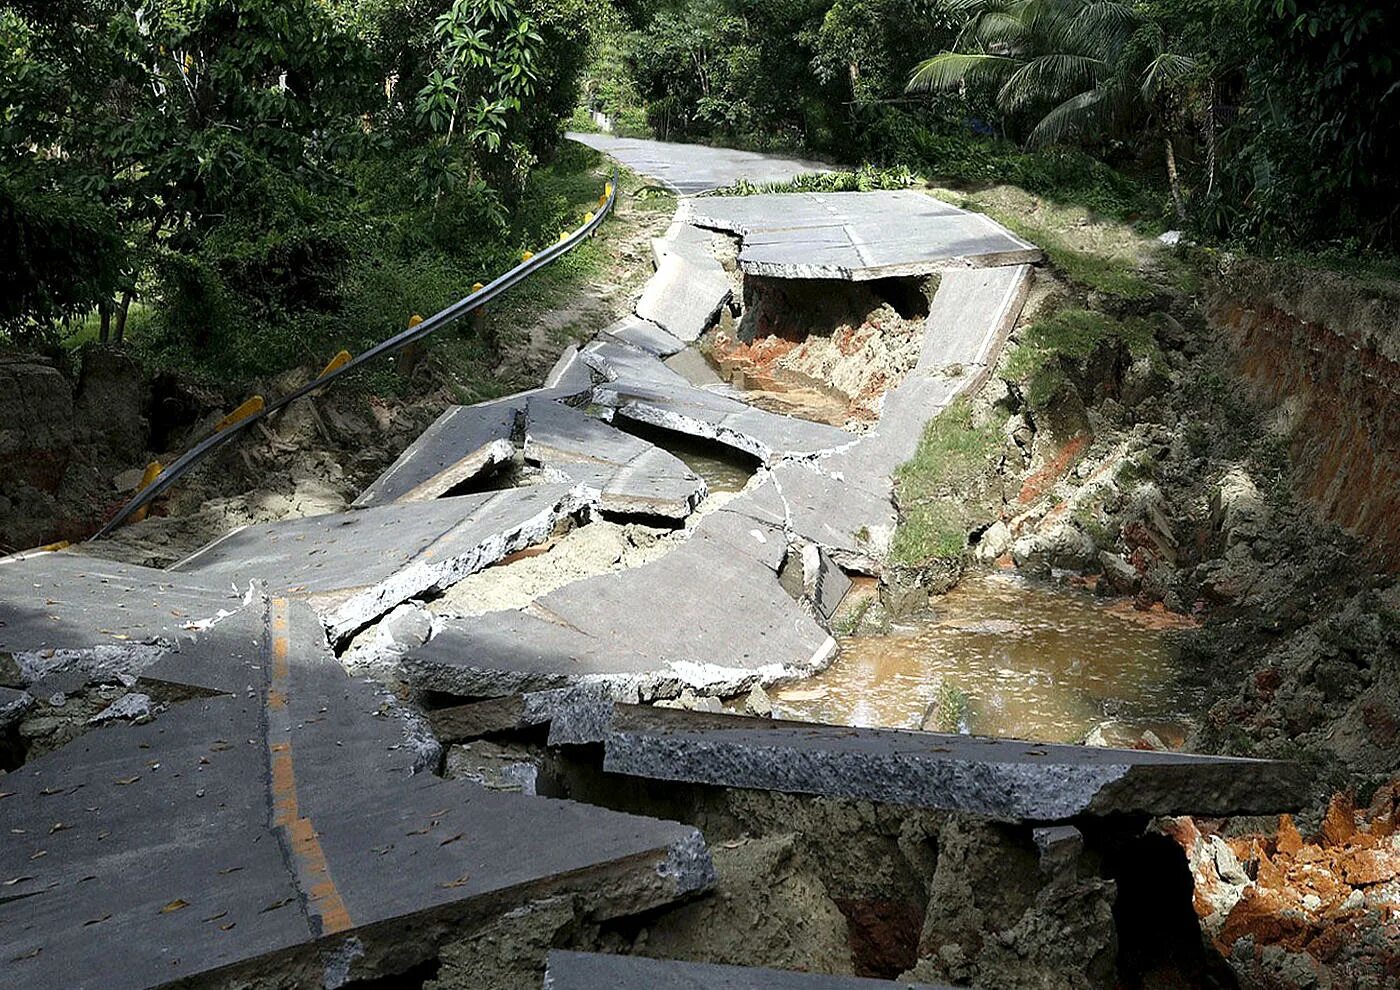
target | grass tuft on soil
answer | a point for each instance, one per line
(953, 453)
(1072, 335)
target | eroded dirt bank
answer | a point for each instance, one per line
(1232, 464)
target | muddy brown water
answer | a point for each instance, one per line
(1033, 660)
(723, 468)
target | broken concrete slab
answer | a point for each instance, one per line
(640, 634)
(589, 971)
(694, 244)
(766, 215)
(570, 376)
(355, 566)
(640, 387)
(857, 236)
(767, 436)
(849, 515)
(644, 335)
(971, 315)
(1002, 778)
(223, 837)
(616, 362)
(815, 577)
(463, 443)
(684, 297)
(13, 704)
(631, 476)
(696, 168)
(68, 619)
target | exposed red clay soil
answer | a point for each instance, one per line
(1332, 899)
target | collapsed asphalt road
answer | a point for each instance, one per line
(253, 814)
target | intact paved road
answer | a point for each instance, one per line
(694, 168)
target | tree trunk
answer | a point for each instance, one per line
(1210, 139)
(104, 328)
(122, 310)
(1177, 200)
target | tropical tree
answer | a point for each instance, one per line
(1081, 70)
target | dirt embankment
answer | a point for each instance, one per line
(1233, 463)
(1325, 352)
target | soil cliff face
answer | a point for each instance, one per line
(1325, 352)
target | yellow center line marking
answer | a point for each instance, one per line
(302, 840)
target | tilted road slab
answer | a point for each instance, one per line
(355, 566)
(644, 335)
(1002, 778)
(696, 168)
(694, 244)
(67, 618)
(589, 971)
(683, 297)
(640, 387)
(631, 476)
(857, 236)
(461, 444)
(707, 615)
(280, 832)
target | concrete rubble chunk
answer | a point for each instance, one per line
(589, 971)
(281, 830)
(13, 704)
(1001, 778)
(640, 634)
(696, 168)
(355, 566)
(67, 619)
(631, 475)
(857, 236)
(684, 297)
(462, 444)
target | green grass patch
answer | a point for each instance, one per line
(929, 531)
(952, 451)
(953, 454)
(951, 710)
(868, 178)
(1072, 335)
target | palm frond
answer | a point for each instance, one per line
(949, 70)
(1085, 115)
(999, 27)
(1105, 25)
(1049, 77)
(1165, 71)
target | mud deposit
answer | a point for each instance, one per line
(1032, 660)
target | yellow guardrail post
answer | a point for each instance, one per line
(336, 363)
(151, 473)
(250, 407)
(412, 351)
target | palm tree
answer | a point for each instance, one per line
(1086, 67)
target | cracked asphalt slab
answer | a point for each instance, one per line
(222, 834)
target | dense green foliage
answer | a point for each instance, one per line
(256, 182)
(1273, 123)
